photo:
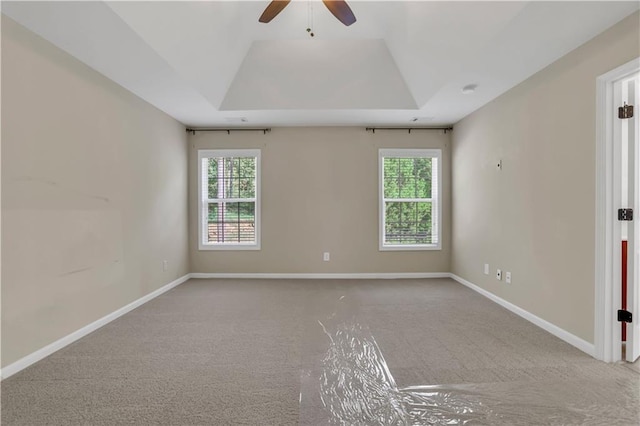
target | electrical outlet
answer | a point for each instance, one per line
(165, 265)
(499, 274)
(326, 257)
(507, 277)
(486, 269)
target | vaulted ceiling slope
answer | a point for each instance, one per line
(213, 64)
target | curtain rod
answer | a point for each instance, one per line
(265, 130)
(215, 129)
(409, 129)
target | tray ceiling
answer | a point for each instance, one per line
(209, 63)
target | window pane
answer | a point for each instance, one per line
(391, 178)
(408, 187)
(212, 174)
(247, 167)
(390, 166)
(228, 173)
(246, 188)
(231, 223)
(422, 172)
(408, 223)
(231, 177)
(233, 186)
(212, 220)
(407, 177)
(390, 187)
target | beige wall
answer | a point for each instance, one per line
(320, 193)
(536, 217)
(93, 195)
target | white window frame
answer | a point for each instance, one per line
(436, 201)
(202, 203)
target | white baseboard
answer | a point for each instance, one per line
(326, 276)
(36, 356)
(560, 333)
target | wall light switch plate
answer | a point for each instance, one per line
(508, 277)
(499, 274)
(486, 269)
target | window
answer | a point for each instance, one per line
(229, 199)
(409, 199)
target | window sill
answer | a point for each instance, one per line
(228, 247)
(429, 247)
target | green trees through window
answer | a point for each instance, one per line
(409, 198)
(228, 182)
(232, 178)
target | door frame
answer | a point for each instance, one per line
(607, 334)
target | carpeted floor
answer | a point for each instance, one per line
(274, 352)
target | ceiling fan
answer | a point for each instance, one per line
(339, 8)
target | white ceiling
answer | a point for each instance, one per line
(209, 63)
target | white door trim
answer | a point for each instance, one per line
(607, 335)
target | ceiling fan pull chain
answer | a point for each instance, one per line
(310, 18)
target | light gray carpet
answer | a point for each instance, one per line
(252, 352)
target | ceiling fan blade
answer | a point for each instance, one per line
(273, 9)
(340, 10)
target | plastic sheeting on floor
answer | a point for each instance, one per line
(353, 385)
